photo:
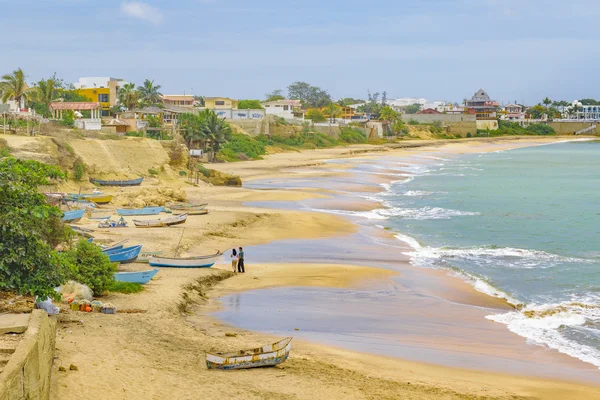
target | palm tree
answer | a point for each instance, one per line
(128, 96)
(575, 109)
(333, 110)
(44, 93)
(387, 113)
(149, 93)
(547, 102)
(191, 128)
(14, 86)
(216, 130)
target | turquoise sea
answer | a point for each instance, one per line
(521, 224)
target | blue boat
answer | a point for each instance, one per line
(73, 216)
(114, 249)
(126, 255)
(141, 277)
(131, 182)
(140, 211)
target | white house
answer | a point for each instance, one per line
(579, 111)
(281, 108)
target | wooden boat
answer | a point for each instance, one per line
(188, 206)
(191, 212)
(140, 211)
(124, 256)
(145, 256)
(73, 216)
(186, 262)
(141, 277)
(157, 223)
(97, 198)
(114, 246)
(266, 356)
(98, 214)
(130, 182)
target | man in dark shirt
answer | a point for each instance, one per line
(241, 267)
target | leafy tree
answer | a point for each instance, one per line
(589, 102)
(387, 113)
(29, 228)
(536, 112)
(275, 95)
(44, 93)
(87, 264)
(149, 94)
(200, 100)
(398, 126)
(68, 118)
(190, 126)
(129, 96)
(413, 109)
(311, 96)
(315, 115)
(333, 111)
(348, 101)
(249, 105)
(14, 86)
(216, 130)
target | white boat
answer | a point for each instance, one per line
(157, 223)
(186, 262)
(266, 356)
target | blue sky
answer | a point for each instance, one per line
(519, 50)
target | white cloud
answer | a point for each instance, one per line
(136, 9)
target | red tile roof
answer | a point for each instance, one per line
(75, 105)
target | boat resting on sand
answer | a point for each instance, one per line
(146, 255)
(158, 223)
(97, 198)
(190, 212)
(188, 206)
(141, 277)
(73, 216)
(185, 262)
(266, 356)
(125, 255)
(130, 182)
(98, 213)
(140, 211)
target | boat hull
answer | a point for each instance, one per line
(266, 356)
(125, 256)
(131, 182)
(183, 263)
(145, 256)
(73, 216)
(141, 277)
(140, 211)
(159, 223)
(99, 214)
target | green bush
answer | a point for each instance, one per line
(352, 135)
(413, 122)
(78, 170)
(68, 119)
(134, 134)
(152, 171)
(4, 149)
(87, 264)
(126, 287)
(469, 134)
(253, 148)
(182, 173)
(203, 170)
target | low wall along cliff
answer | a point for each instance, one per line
(27, 373)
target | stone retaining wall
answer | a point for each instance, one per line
(27, 373)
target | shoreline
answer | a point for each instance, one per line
(157, 342)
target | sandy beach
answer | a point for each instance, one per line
(154, 348)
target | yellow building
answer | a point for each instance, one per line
(343, 112)
(100, 89)
(220, 103)
(100, 95)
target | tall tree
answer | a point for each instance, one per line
(333, 111)
(190, 126)
(14, 86)
(387, 113)
(128, 96)
(275, 95)
(311, 96)
(149, 94)
(547, 102)
(44, 93)
(215, 129)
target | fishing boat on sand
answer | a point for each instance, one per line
(158, 223)
(97, 198)
(188, 206)
(73, 216)
(191, 212)
(145, 256)
(124, 256)
(266, 356)
(141, 277)
(130, 182)
(186, 262)
(98, 214)
(114, 246)
(140, 211)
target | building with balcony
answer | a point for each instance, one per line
(104, 90)
(282, 108)
(483, 105)
(178, 100)
(513, 112)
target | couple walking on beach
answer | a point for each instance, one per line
(237, 262)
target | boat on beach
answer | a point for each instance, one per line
(125, 255)
(73, 216)
(188, 206)
(97, 198)
(98, 214)
(266, 356)
(191, 212)
(140, 211)
(145, 256)
(114, 246)
(186, 262)
(141, 277)
(130, 182)
(158, 223)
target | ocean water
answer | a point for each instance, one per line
(522, 224)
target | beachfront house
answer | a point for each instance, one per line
(87, 114)
(513, 112)
(484, 107)
(103, 90)
(178, 100)
(282, 108)
(220, 103)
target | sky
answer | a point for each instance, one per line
(516, 50)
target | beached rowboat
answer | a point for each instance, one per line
(98, 214)
(73, 216)
(145, 256)
(140, 211)
(130, 182)
(141, 277)
(124, 256)
(266, 356)
(157, 223)
(97, 198)
(186, 262)
(191, 212)
(188, 206)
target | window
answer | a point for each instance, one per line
(103, 98)
(285, 108)
(219, 103)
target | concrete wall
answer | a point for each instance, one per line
(488, 124)
(236, 114)
(253, 127)
(569, 128)
(455, 124)
(27, 374)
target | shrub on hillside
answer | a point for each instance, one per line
(352, 135)
(135, 134)
(253, 148)
(86, 263)
(78, 170)
(203, 170)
